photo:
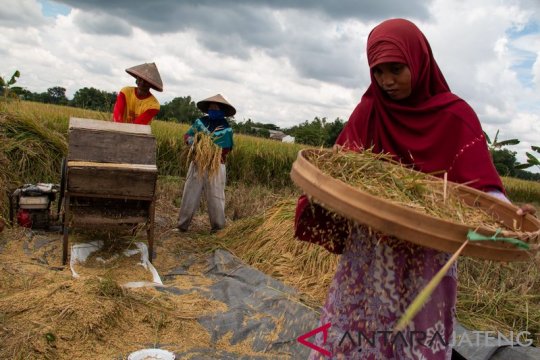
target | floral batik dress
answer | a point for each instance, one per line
(377, 278)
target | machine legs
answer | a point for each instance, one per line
(150, 230)
(67, 219)
(65, 229)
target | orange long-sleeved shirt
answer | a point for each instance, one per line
(131, 108)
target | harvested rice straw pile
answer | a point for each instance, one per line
(119, 267)
(191, 281)
(379, 175)
(46, 314)
(30, 152)
(267, 242)
(205, 154)
(243, 347)
(94, 318)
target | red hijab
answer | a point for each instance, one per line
(432, 129)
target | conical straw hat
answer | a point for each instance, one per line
(149, 73)
(228, 109)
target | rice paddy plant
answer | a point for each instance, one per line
(171, 150)
(261, 161)
(522, 191)
(55, 117)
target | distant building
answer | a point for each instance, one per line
(280, 136)
(288, 139)
(276, 135)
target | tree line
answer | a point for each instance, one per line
(318, 132)
(87, 98)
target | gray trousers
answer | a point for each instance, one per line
(215, 197)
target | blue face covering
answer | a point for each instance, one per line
(216, 114)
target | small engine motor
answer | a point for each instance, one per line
(32, 205)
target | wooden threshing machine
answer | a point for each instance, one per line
(109, 177)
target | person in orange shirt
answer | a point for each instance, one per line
(136, 104)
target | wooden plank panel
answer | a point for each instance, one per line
(81, 220)
(113, 166)
(111, 147)
(111, 182)
(102, 125)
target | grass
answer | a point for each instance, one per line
(523, 191)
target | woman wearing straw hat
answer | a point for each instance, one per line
(216, 125)
(136, 104)
(408, 111)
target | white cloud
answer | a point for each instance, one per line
(102, 24)
(536, 71)
(479, 56)
(279, 62)
(21, 13)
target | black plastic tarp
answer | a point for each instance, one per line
(259, 304)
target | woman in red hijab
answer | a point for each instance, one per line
(409, 112)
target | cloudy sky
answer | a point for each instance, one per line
(278, 61)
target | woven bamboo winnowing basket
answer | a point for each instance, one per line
(419, 228)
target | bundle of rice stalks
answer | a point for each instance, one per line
(26, 141)
(205, 154)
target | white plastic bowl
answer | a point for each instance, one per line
(151, 354)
